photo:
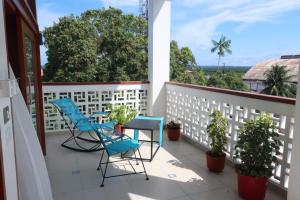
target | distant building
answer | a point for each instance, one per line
(256, 75)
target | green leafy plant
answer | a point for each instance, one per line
(217, 132)
(257, 147)
(173, 125)
(279, 82)
(121, 114)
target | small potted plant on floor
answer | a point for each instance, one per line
(217, 133)
(121, 114)
(256, 154)
(173, 130)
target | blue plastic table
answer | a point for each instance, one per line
(149, 123)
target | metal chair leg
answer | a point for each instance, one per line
(98, 168)
(137, 163)
(147, 178)
(102, 184)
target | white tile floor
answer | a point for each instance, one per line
(178, 172)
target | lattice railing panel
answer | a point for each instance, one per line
(192, 106)
(92, 98)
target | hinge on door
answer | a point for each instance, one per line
(8, 88)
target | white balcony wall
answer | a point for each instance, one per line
(92, 98)
(192, 106)
(159, 36)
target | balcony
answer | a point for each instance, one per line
(179, 169)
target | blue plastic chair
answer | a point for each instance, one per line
(161, 127)
(117, 146)
(78, 121)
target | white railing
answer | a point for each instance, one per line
(191, 105)
(92, 97)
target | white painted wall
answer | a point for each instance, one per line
(159, 37)
(293, 191)
(6, 129)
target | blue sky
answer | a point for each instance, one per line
(259, 29)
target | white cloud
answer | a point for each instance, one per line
(46, 16)
(198, 33)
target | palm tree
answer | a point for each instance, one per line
(223, 46)
(278, 82)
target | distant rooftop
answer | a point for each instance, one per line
(290, 57)
(292, 63)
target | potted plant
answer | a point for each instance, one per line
(121, 114)
(173, 130)
(217, 133)
(256, 154)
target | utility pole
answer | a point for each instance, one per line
(143, 9)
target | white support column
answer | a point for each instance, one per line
(159, 37)
(294, 180)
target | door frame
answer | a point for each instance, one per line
(34, 37)
(26, 25)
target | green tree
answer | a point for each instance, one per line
(186, 57)
(230, 80)
(99, 45)
(278, 82)
(217, 80)
(181, 59)
(234, 81)
(293, 90)
(107, 45)
(72, 51)
(222, 47)
(183, 66)
(186, 77)
(176, 69)
(122, 44)
(200, 78)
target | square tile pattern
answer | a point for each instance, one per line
(177, 172)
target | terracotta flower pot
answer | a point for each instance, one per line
(215, 163)
(173, 133)
(120, 128)
(250, 187)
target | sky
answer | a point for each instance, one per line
(258, 29)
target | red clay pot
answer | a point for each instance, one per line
(215, 163)
(173, 133)
(251, 187)
(120, 128)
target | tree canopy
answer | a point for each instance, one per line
(230, 80)
(98, 45)
(222, 46)
(108, 45)
(278, 82)
(184, 67)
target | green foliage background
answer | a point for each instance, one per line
(98, 45)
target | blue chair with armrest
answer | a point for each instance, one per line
(78, 124)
